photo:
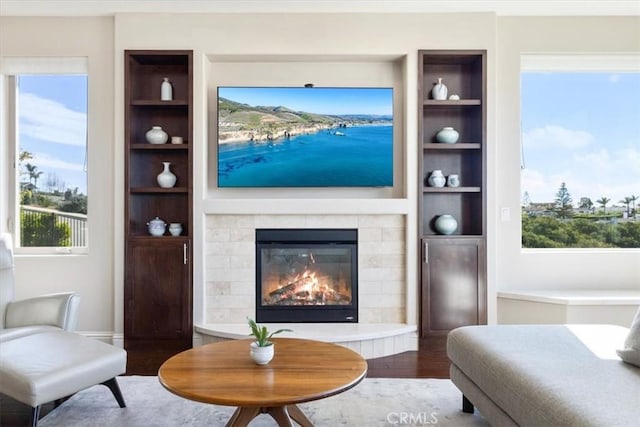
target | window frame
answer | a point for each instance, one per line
(10, 69)
(572, 62)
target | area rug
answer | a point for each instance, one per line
(372, 403)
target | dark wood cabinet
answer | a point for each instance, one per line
(453, 284)
(159, 289)
(158, 280)
(453, 267)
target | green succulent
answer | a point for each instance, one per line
(261, 333)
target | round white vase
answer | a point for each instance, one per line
(447, 135)
(175, 228)
(453, 180)
(156, 135)
(436, 179)
(166, 178)
(166, 90)
(439, 91)
(446, 224)
(261, 355)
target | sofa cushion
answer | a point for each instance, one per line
(43, 367)
(551, 374)
(630, 353)
(13, 333)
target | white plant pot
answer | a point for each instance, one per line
(261, 355)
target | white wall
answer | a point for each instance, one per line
(581, 269)
(385, 39)
(99, 276)
(91, 275)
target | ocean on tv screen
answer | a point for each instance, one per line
(357, 156)
(298, 137)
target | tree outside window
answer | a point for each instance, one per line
(51, 145)
(581, 159)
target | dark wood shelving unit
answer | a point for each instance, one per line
(453, 267)
(158, 270)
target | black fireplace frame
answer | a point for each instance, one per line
(308, 238)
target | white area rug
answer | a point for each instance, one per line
(372, 403)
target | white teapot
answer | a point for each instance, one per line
(156, 227)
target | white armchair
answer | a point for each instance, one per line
(32, 315)
(41, 359)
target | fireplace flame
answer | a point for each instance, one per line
(307, 288)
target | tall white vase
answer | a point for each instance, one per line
(439, 91)
(166, 178)
(166, 90)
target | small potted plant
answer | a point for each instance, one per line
(262, 347)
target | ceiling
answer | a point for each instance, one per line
(499, 7)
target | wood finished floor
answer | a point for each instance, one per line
(430, 361)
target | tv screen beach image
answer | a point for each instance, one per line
(305, 137)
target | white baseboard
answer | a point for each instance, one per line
(113, 338)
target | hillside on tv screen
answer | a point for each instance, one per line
(305, 137)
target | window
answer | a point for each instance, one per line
(49, 135)
(580, 177)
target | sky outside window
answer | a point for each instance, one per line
(582, 129)
(52, 126)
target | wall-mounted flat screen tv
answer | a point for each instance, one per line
(305, 137)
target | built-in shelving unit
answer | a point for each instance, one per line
(453, 267)
(158, 269)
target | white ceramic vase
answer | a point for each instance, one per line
(156, 135)
(166, 90)
(436, 179)
(175, 228)
(447, 135)
(446, 224)
(166, 178)
(439, 91)
(453, 180)
(261, 355)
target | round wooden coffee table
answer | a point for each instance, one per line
(301, 371)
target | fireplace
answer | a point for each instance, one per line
(306, 275)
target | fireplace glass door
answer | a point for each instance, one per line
(306, 281)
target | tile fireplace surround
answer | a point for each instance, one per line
(230, 281)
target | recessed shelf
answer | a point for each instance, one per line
(448, 236)
(159, 190)
(143, 237)
(452, 103)
(147, 146)
(456, 146)
(159, 103)
(451, 190)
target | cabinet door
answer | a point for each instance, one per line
(453, 288)
(158, 290)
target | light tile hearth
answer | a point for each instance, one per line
(230, 280)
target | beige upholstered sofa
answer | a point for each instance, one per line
(546, 375)
(41, 359)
